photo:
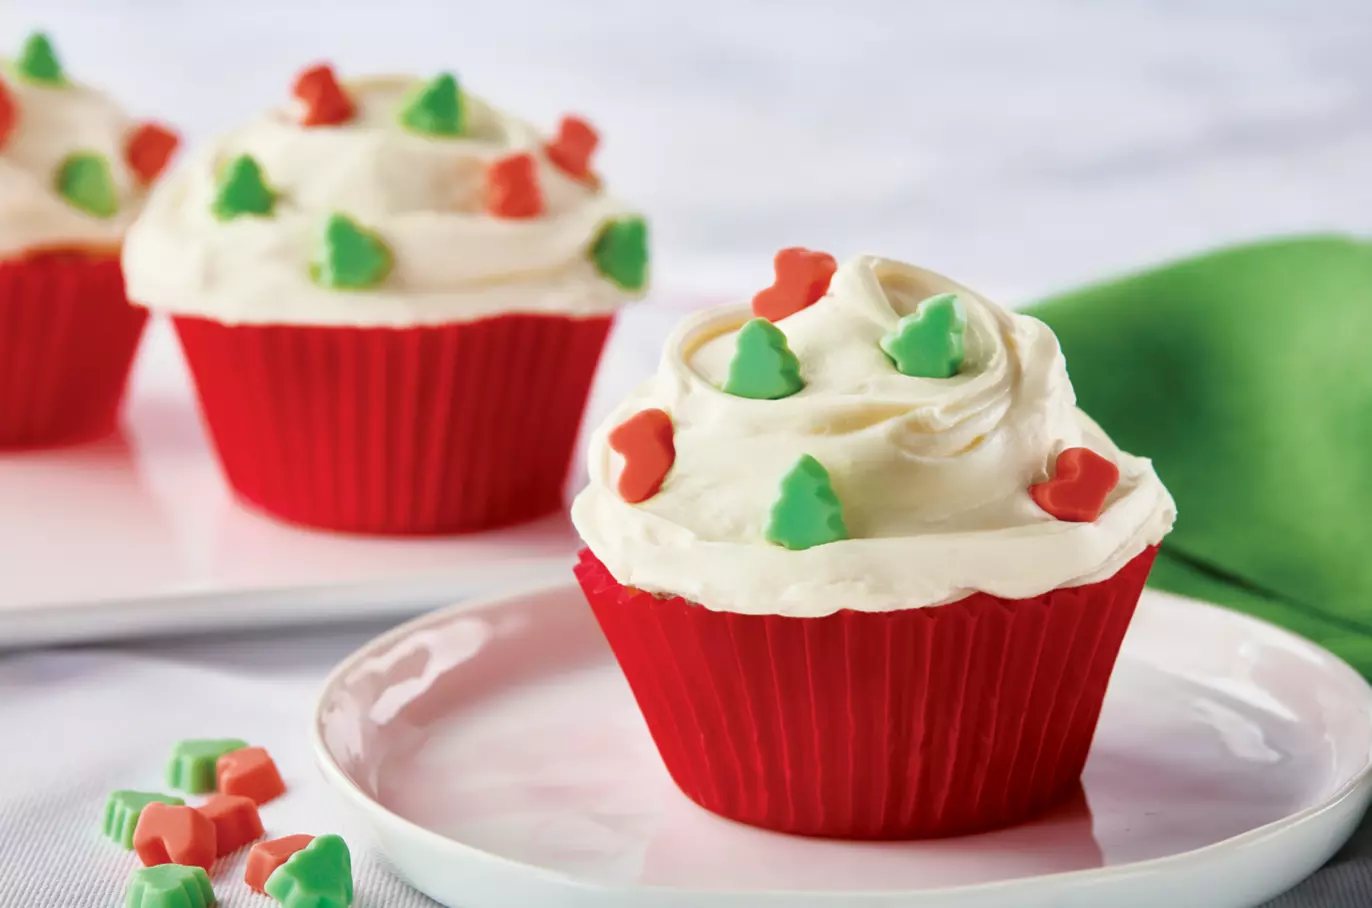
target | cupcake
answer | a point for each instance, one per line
(74, 170)
(863, 562)
(392, 298)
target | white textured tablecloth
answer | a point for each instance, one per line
(1017, 146)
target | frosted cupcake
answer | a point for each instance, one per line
(392, 297)
(864, 563)
(74, 170)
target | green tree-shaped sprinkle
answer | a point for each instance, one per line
(84, 180)
(763, 367)
(38, 61)
(436, 109)
(807, 513)
(242, 190)
(350, 257)
(929, 342)
(620, 252)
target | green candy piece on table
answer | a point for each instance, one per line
(928, 343)
(169, 886)
(320, 875)
(122, 810)
(350, 257)
(436, 108)
(243, 190)
(807, 513)
(763, 367)
(620, 252)
(38, 61)
(84, 180)
(192, 764)
(1243, 375)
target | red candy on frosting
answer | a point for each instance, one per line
(645, 442)
(802, 277)
(1081, 482)
(572, 149)
(148, 150)
(9, 114)
(512, 187)
(326, 104)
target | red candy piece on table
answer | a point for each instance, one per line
(265, 857)
(645, 441)
(326, 104)
(9, 114)
(235, 819)
(572, 149)
(168, 834)
(249, 772)
(148, 150)
(512, 188)
(1082, 480)
(802, 277)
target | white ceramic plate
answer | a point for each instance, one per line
(496, 753)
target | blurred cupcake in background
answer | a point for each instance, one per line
(74, 170)
(392, 297)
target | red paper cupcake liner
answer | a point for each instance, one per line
(67, 342)
(916, 723)
(433, 429)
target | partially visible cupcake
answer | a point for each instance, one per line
(74, 170)
(865, 565)
(392, 297)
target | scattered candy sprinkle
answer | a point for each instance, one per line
(192, 764)
(236, 822)
(169, 886)
(1082, 480)
(512, 187)
(802, 277)
(148, 150)
(38, 61)
(435, 109)
(645, 442)
(928, 343)
(763, 367)
(249, 772)
(9, 114)
(620, 252)
(84, 180)
(807, 513)
(122, 810)
(573, 146)
(325, 102)
(265, 857)
(350, 257)
(243, 190)
(174, 834)
(317, 876)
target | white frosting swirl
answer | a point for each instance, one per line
(54, 121)
(423, 196)
(933, 474)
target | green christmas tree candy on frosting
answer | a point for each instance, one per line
(763, 367)
(350, 257)
(84, 180)
(242, 190)
(620, 252)
(38, 62)
(436, 109)
(807, 513)
(929, 342)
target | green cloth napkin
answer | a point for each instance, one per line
(1246, 375)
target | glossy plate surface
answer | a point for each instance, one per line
(496, 753)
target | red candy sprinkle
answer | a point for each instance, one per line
(235, 819)
(512, 188)
(1082, 480)
(148, 150)
(168, 834)
(9, 114)
(645, 441)
(802, 277)
(249, 772)
(326, 104)
(572, 149)
(265, 857)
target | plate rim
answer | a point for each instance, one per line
(1360, 783)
